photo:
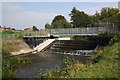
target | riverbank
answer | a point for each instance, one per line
(104, 64)
(10, 64)
(16, 46)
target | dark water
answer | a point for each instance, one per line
(44, 61)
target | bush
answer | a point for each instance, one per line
(8, 32)
(115, 39)
(66, 67)
(9, 64)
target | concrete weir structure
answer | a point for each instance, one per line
(66, 46)
(43, 45)
(73, 47)
(47, 43)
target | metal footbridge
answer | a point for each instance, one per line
(81, 31)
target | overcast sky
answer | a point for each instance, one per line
(22, 15)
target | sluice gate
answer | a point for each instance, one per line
(73, 47)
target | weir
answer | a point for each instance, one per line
(67, 46)
(73, 47)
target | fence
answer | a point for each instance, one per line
(82, 31)
(74, 31)
(10, 36)
(63, 31)
(25, 33)
(43, 32)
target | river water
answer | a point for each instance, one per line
(45, 61)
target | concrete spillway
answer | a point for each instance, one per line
(67, 46)
(40, 43)
(43, 45)
(73, 47)
(46, 43)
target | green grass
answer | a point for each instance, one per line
(106, 65)
(10, 63)
(11, 45)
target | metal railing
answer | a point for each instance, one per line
(81, 31)
(42, 32)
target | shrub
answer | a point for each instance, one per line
(8, 32)
(9, 64)
(116, 38)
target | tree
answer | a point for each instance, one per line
(96, 17)
(116, 20)
(107, 14)
(35, 28)
(60, 22)
(47, 26)
(13, 29)
(79, 18)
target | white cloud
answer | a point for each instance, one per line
(20, 18)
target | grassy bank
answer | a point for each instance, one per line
(104, 64)
(10, 64)
(15, 45)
